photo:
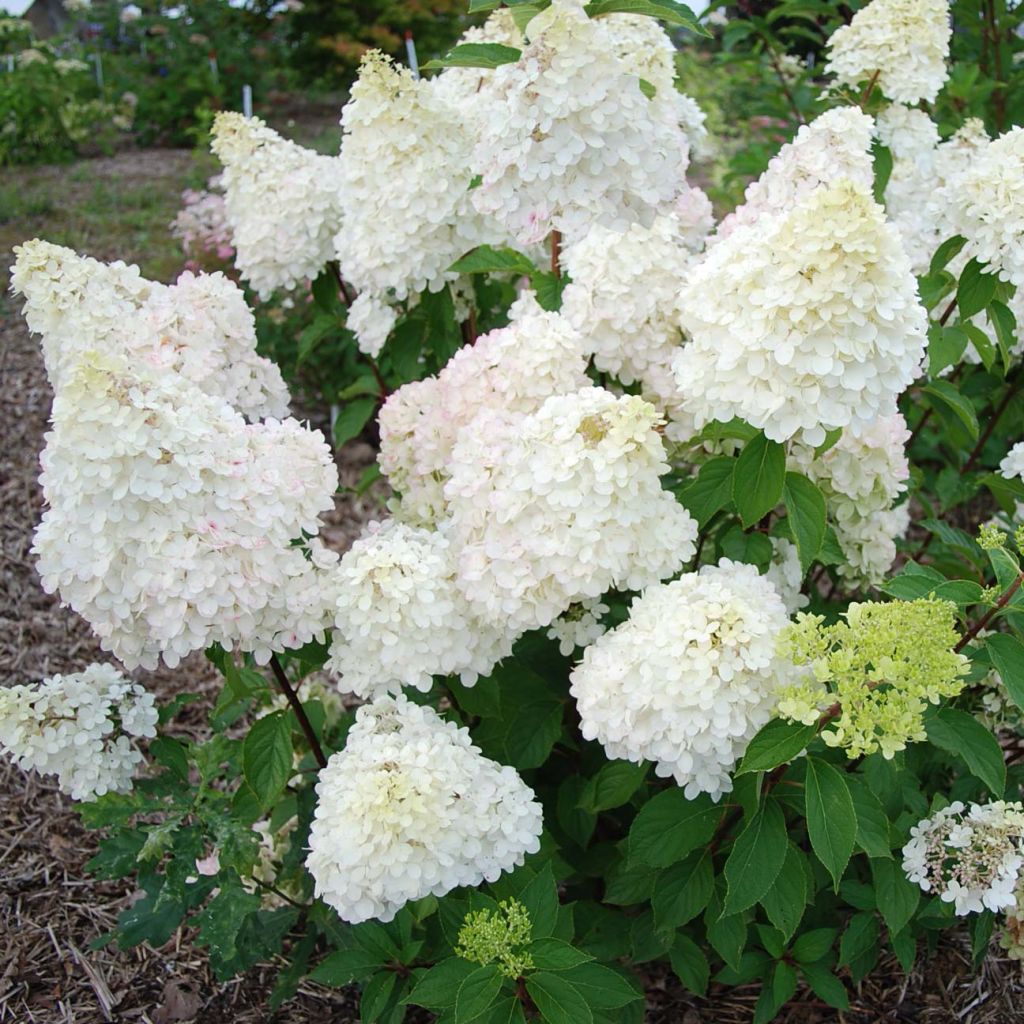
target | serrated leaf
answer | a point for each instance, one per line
(682, 891)
(826, 986)
(785, 901)
(898, 898)
(267, 757)
(603, 988)
(945, 252)
(540, 897)
(805, 506)
(345, 966)
(814, 945)
(550, 954)
(758, 480)
(1007, 654)
(975, 290)
(872, 824)
(690, 964)
(669, 827)
(669, 11)
(962, 734)
(831, 818)
(558, 999)
(612, 786)
(437, 989)
(947, 395)
(756, 858)
(1006, 327)
(475, 55)
(476, 992)
(710, 491)
(946, 346)
(882, 160)
(485, 259)
(776, 743)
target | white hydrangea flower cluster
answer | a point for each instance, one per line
(902, 44)
(579, 625)
(835, 146)
(1013, 462)
(79, 727)
(199, 328)
(862, 478)
(411, 808)
(201, 225)
(171, 522)
(561, 505)
(786, 576)
(689, 678)
(572, 140)
(803, 322)
(405, 177)
(623, 296)
(971, 857)
(513, 369)
(283, 203)
(400, 618)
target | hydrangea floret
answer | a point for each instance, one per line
(873, 674)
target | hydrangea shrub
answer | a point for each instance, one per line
(692, 630)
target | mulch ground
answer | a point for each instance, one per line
(51, 911)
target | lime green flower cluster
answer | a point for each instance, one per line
(498, 936)
(990, 537)
(874, 674)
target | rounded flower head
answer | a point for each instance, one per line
(80, 728)
(513, 369)
(411, 808)
(971, 857)
(400, 619)
(905, 43)
(283, 203)
(405, 176)
(561, 505)
(571, 139)
(171, 522)
(689, 678)
(199, 328)
(803, 322)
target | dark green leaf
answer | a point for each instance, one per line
(172, 754)
(882, 157)
(872, 824)
(351, 419)
(555, 955)
(777, 742)
(962, 734)
(548, 289)
(613, 785)
(267, 757)
(603, 988)
(805, 505)
(825, 985)
(558, 999)
(475, 55)
(690, 964)
(975, 289)
(831, 818)
(945, 252)
(346, 966)
(221, 920)
(1007, 654)
(946, 346)
(669, 826)
(756, 859)
(375, 995)
(682, 891)
(785, 901)
(813, 945)
(437, 989)
(897, 897)
(710, 491)
(859, 939)
(1006, 327)
(758, 479)
(665, 10)
(776, 993)
(947, 395)
(478, 990)
(486, 260)
(540, 897)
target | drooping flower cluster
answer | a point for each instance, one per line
(969, 856)
(573, 141)
(903, 45)
(80, 728)
(513, 369)
(862, 478)
(199, 328)
(835, 146)
(803, 322)
(400, 618)
(170, 521)
(283, 203)
(411, 808)
(689, 678)
(201, 225)
(875, 672)
(562, 505)
(405, 176)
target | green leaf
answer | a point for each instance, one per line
(897, 897)
(267, 757)
(478, 990)
(648, 89)
(682, 891)
(548, 289)
(613, 785)
(1005, 325)
(814, 945)
(785, 901)
(351, 419)
(727, 934)
(882, 158)
(776, 993)
(170, 753)
(540, 897)
(945, 252)
(860, 940)
(603, 988)
(946, 394)
(982, 345)
(555, 955)
(776, 743)
(665, 10)
(669, 826)
(475, 55)
(756, 859)
(311, 336)
(374, 998)
(485, 259)
(831, 818)
(975, 289)
(826, 986)
(221, 919)
(759, 478)
(710, 491)
(436, 990)
(346, 966)
(1007, 654)
(690, 964)
(479, 6)
(962, 734)
(872, 824)
(946, 346)
(805, 505)
(558, 999)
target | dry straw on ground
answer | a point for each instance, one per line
(51, 911)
